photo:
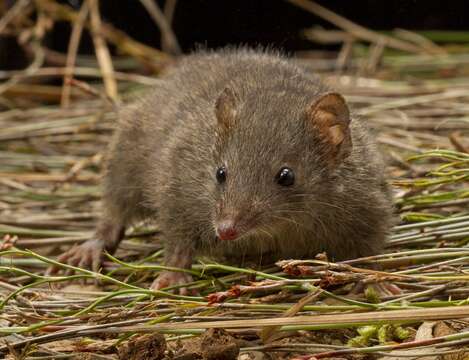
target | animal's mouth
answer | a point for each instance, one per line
(234, 229)
(227, 234)
(230, 230)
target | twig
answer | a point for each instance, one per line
(422, 99)
(102, 52)
(78, 71)
(169, 9)
(419, 40)
(344, 55)
(325, 321)
(170, 42)
(356, 30)
(443, 340)
(267, 334)
(72, 53)
(150, 56)
(14, 11)
(375, 57)
(457, 142)
(35, 64)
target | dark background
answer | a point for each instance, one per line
(215, 23)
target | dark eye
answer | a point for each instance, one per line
(221, 175)
(285, 177)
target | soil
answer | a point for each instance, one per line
(214, 344)
(145, 347)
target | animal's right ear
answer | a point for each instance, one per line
(329, 117)
(225, 110)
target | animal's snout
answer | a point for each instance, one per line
(226, 230)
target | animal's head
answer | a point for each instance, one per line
(274, 150)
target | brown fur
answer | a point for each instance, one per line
(168, 146)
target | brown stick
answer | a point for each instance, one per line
(168, 11)
(420, 40)
(72, 53)
(148, 55)
(406, 345)
(414, 315)
(167, 33)
(102, 51)
(38, 177)
(15, 10)
(355, 29)
(456, 140)
(268, 333)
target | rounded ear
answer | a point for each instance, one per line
(329, 117)
(225, 109)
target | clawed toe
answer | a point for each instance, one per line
(85, 256)
(169, 279)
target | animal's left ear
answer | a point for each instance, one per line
(329, 117)
(225, 110)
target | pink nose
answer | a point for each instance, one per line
(226, 230)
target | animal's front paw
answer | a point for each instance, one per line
(171, 278)
(86, 256)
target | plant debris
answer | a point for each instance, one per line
(411, 300)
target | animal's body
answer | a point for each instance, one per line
(242, 154)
